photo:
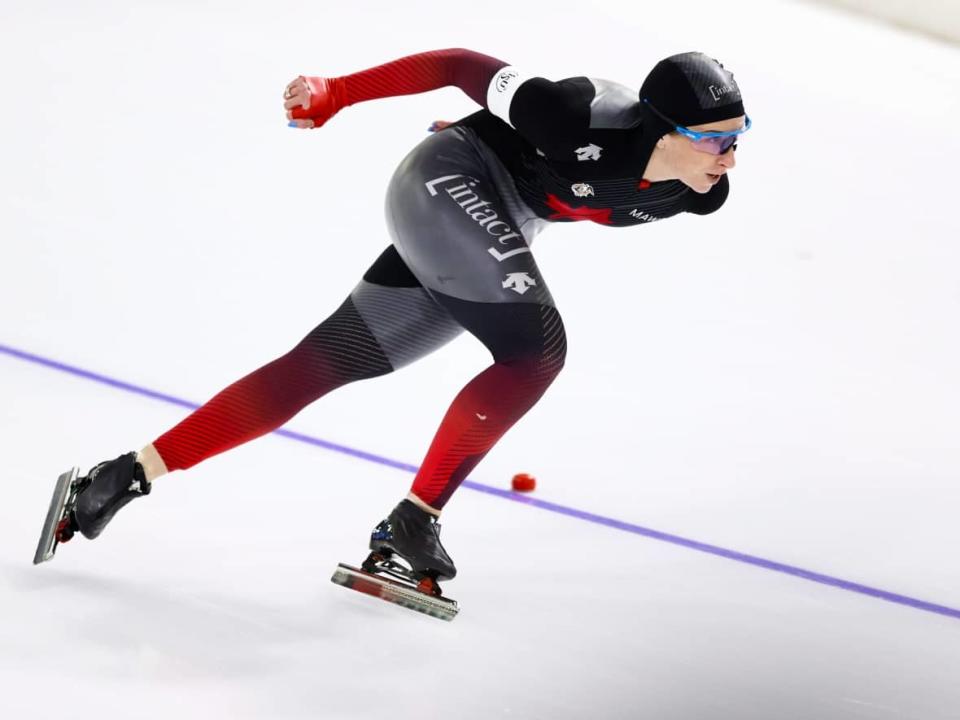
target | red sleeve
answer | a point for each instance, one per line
(468, 70)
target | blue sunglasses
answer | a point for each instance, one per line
(715, 143)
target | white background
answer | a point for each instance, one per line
(779, 378)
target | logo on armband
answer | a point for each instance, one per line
(582, 190)
(504, 79)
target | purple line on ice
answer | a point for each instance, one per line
(722, 552)
(526, 499)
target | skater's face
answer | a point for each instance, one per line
(697, 169)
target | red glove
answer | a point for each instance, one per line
(311, 101)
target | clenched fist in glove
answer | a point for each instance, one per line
(311, 101)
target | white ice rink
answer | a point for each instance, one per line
(779, 380)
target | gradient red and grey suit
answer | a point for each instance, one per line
(462, 209)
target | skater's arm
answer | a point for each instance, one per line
(311, 101)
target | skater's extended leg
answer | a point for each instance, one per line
(338, 351)
(387, 322)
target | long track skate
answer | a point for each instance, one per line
(57, 528)
(384, 577)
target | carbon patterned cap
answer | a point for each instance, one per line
(692, 89)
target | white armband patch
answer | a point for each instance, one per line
(501, 91)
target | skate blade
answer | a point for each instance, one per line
(395, 591)
(61, 494)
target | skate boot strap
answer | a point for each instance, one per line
(140, 483)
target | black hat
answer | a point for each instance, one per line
(691, 89)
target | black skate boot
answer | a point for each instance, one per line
(105, 489)
(405, 563)
(414, 535)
